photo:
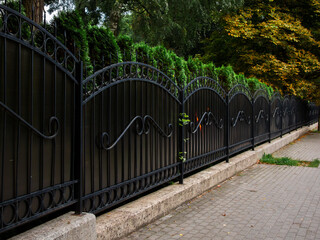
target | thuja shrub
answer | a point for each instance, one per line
(181, 70)
(71, 24)
(164, 61)
(145, 54)
(103, 47)
(127, 49)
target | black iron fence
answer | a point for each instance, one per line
(93, 143)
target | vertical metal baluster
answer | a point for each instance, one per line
(142, 136)
(109, 131)
(146, 135)
(63, 134)
(281, 116)
(123, 124)
(79, 138)
(160, 112)
(4, 120)
(116, 127)
(152, 132)
(198, 152)
(253, 121)
(17, 158)
(169, 140)
(53, 165)
(135, 135)
(227, 128)
(193, 111)
(130, 99)
(92, 136)
(269, 127)
(157, 117)
(29, 175)
(42, 161)
(101, 128)
(181, 137)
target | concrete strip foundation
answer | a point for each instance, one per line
(65, 227)
(126, 219)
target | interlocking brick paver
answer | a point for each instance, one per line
(263, 202)
(277, 207)
(306, 149)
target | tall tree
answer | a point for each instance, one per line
(34, 9)
(276, 41)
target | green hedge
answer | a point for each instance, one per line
(71, 23)
(99, 46)
(102, 54)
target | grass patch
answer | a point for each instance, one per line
(269, 159)
(314, 163)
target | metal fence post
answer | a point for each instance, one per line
(281, 116)
(253, 120)
(181, 153)
(227, 127)
(269, 121)
(318, 118)
(78, 158)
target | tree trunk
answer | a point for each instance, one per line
(38, 6)
(115, 17)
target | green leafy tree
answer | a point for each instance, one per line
(274, 41)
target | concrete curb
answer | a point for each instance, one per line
(128, 218)
(65, 227)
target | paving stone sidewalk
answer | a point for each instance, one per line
(263, 202)
(306, 148)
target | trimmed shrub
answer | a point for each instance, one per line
(103, 47)
(127, 49)
(164, 61)
(144, 53)
(181, 70)
(71, 23)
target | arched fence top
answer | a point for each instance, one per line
(276, 96)
(126, 71)
(286, 98)
(261, 93)
(19, 28)
(239, 89)
(203, 83)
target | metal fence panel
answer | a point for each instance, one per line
(130, 133)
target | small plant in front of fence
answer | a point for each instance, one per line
(183, 121)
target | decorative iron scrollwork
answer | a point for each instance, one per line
(262, 115)
(207, 118)
(276, 112)
(240, 118)
(142, 127)
(54, 124)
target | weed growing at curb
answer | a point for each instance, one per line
(269, 159)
